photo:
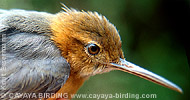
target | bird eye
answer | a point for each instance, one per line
(93, 49)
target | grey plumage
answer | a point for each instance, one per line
(32, 62)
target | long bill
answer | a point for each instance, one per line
(143, 73)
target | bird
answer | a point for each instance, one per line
(56, 53)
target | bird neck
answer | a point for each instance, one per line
(71, 86)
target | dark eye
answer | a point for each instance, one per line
(93, 49)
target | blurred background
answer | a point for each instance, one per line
(154, 35)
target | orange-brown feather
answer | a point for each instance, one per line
(72, 31)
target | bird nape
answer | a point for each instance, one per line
(56, 53)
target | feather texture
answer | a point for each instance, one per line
(30, 62)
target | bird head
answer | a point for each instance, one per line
(92, 45)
